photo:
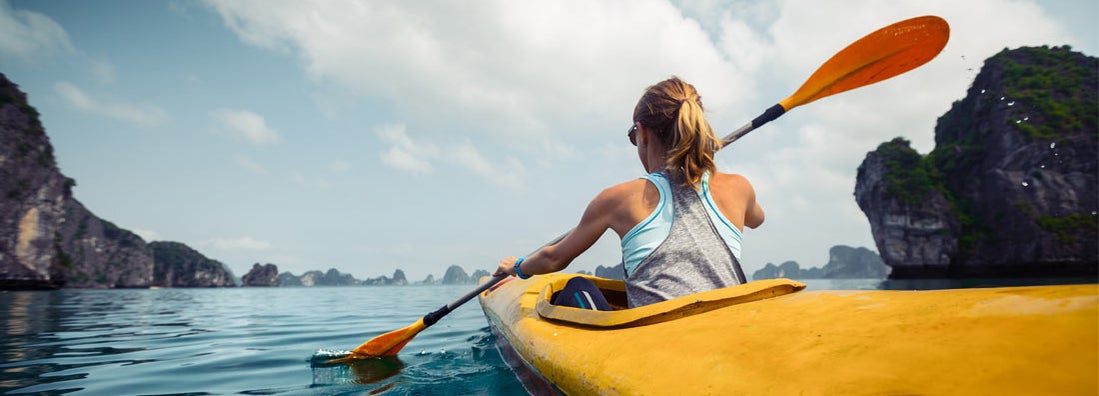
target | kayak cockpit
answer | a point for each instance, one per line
(620, 317)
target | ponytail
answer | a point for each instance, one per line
(672, 109)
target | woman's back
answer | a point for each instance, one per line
(686, 244)
(689, 224)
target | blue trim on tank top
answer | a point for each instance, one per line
(652, 216)
(713, 207)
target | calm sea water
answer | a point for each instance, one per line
(266, 340)
(242, 341)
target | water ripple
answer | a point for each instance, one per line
(249, 341)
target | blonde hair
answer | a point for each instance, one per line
(672, 110)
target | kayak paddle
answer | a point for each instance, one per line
(878, 56)
(885, 53)
(390, 343)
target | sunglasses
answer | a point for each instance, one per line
(632, 134)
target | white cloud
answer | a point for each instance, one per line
(143, 114)
(417, 156)
(27, 34)
(510, 69)
(404, 154)
(339, 166)
(249, 125)
(103, 70)
(508, 173)
(300, 179)
(250, 165)
(240, 243)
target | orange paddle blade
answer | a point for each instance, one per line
(885, 53)
(387, 344)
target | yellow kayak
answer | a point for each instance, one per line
(770, 338)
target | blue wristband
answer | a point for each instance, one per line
(517, 271)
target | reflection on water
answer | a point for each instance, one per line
(248, 340)
(365, 371)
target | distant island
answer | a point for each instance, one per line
(454, 275)
(844, 262)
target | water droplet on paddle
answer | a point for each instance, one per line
(982, 91)
(1025, 184)
(1053, 145)
(1002, 98)
(1011, 103)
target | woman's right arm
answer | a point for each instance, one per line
(753, 213)
(595, 221)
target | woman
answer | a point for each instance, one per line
(680, 225)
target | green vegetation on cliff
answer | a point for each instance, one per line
(1051, 90)
(910, 176)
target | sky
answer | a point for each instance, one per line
(372, 136)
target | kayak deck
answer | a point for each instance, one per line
(1017, 340)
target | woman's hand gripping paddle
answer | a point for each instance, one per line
(885, 53)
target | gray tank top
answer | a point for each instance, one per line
(692, 259)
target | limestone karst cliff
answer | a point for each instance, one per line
(1011, 186)
(48, 239)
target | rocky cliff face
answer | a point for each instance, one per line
(912, 223)
(455, 275)
(48, 239)
(95, 253)
(266, 275)
(287, 279)
(1011, 186)
(476, 276)
(853, 263)
(398, 279)
(176, 265)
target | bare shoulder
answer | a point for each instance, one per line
(622, 191)
(625, 204)
(732, 180)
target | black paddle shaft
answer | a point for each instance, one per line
(771, 114)
(433, 317)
